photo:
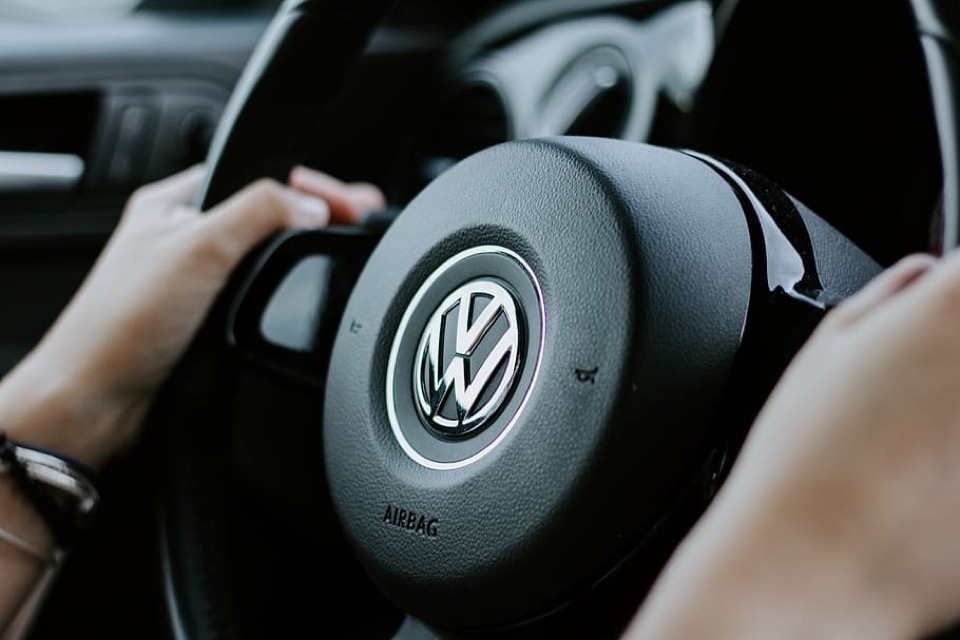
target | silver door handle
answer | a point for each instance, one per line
(22, 171)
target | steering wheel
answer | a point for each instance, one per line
(496, 416)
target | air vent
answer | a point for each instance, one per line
(469, 119)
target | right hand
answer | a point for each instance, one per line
(841, 516)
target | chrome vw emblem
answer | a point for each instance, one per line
(468, 358)
(460, 373)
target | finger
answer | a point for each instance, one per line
(349, 202)
(259, 210)
(883, 288)
(179, 189)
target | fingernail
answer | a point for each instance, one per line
(315, 208)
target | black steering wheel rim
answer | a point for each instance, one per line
(938, 24)
(197, 573)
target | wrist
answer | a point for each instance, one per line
(59, 408)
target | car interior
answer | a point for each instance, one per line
(242, 515)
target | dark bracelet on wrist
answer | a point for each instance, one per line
(60, 488)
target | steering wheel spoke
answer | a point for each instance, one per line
(287, 309)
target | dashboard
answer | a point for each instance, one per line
(836, 113)
(800, 91)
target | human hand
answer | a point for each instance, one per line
(84, 390)
(841, 516)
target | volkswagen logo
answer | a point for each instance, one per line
(467, 360)
(465, 357)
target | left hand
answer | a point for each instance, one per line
(85, 389)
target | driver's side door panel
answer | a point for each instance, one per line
(89, 112)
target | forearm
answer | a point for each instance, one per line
(46, 402)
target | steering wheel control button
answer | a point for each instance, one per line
(464, 357)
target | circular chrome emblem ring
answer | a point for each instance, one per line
(465, 357)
